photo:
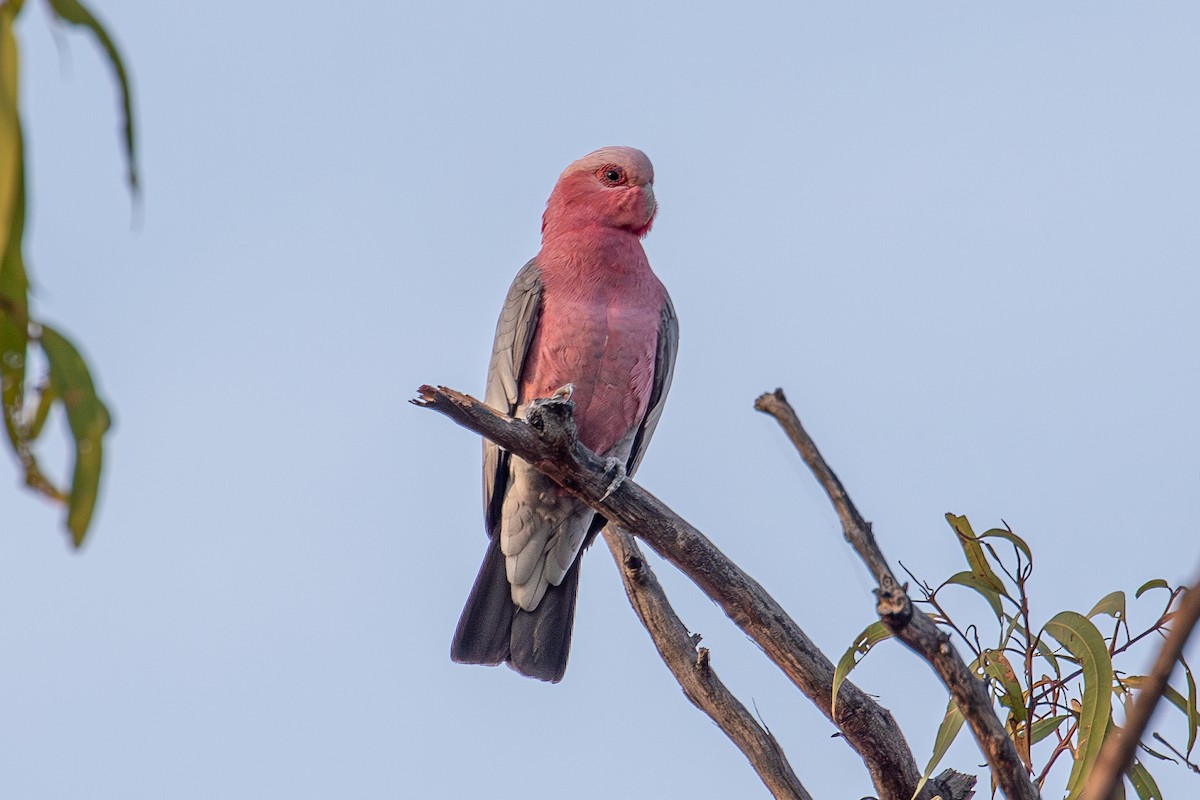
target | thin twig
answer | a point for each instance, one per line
(1117, 753)
(911, 626)
(690, 666)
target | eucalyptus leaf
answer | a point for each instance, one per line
(1143, 782)
(1157, 583)
(976, 558)
(77, 13)
(1044, 727)
(71, 381)
(947, 732)
(1009, 536)
(872, 635)
(1081, 638)
(1112, 604)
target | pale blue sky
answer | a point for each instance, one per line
(964, 240)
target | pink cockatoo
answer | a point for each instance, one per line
(586, 311)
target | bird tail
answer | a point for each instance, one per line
(486, 622)
(493, 629)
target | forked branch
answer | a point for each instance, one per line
(910, 625)
(549, 442)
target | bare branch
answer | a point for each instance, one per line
(1117, 754)
(550, 444)
(690, 666)
(911, 626)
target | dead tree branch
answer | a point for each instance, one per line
(911, 626)
(550, 443)
(1117, 755)
(690, 666)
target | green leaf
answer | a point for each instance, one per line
(1157, 583)
(1009, 536)
(973, 581)
(1112, 604)
(1044, 727)
(1080, 637)
(947, 732)
(46, 398)
(71, 381)
(1190, 711)
(976, 558)
(874, 633)
(76, 13)
(1142, 782)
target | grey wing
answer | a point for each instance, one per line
(664, 370)
(514, 332)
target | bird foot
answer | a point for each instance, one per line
(616, 468)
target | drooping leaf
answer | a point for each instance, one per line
(35, 423)
(1171, 694)
(1044, 727)
(1143, 782)
(1079, 636)
(947, 732)
(88, 418)
(872, 635)
(981, 585)
(1009, 536)
(14, 284)
(76, 13)
(1157, 583)
(976, 558)
(1190, 711)
(1112, 604)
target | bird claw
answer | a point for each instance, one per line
(616, 468)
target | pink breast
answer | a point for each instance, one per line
(603, 340)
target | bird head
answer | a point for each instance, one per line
(612, 187)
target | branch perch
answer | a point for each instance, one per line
(1117, 753)
(549, 443)
(911, 626)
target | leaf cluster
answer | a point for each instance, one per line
(68, 383)
(1055, 685)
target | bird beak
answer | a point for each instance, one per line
(651, 205)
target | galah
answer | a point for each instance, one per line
(585, 311)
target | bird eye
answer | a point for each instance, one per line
(613, 176)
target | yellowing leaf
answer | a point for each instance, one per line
(996, 666)
(14, 284)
